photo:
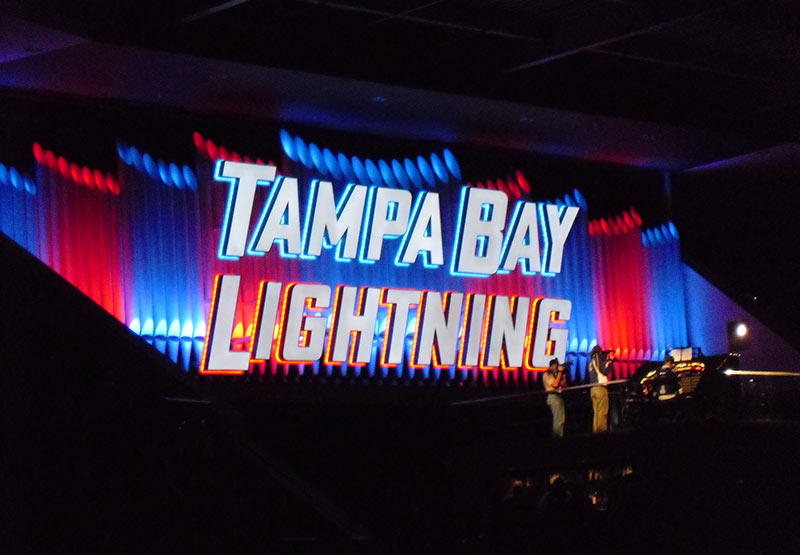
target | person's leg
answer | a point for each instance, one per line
(601, 412)
(559, 416)
(595, 409)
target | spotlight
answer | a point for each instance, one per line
(738, 336)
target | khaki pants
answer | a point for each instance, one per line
(556, 404)
(600, 406)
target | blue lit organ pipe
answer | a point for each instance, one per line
(18, 209)
(423, 174)
(160, 203)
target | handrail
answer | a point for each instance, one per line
(531, 393)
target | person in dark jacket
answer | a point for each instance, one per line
(599, 368)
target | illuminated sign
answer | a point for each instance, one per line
(304, 322)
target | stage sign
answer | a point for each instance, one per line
(338, 323)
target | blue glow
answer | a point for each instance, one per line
(147, 328)
(344, 165)
(332, 164)
(302, 152)
(372, 172)
(512, 230)
(287, 143)
(413, 173)
(233, 190)
(187, 330)
(135, 156)
(386, 173)
(174, 329)
(426, 255)
(189, 178)
(15, 177)
(367, 224)
(673, 230)
(483, 246)
(163, 173)
(645, 240)
(312, 202)
(175, 174)
(150, 166)
(262, 220)
(316, 158)
(339, 207)
(579, 199)
(439, 168)
(546, 239)
(3, 174)
(426, 171)
(135, 326)
(161, 329)
(459, 236)
(452, 164)
(124, 153)
(400, 174)
(30, 186)
(358, 169)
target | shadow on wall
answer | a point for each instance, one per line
(708, 311)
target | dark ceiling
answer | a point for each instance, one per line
(728, 66)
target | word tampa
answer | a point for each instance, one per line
(465, 330)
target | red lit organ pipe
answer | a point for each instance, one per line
(308, 162)
(144, 245)
(77, 216)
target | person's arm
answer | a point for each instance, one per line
(548, 381)
(561, 378)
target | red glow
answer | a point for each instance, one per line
(113, 186)
(256, 324)
(420, 311)
(337, 297)
(464, 325)
(75, 172)
(211, 150)
(303, 333)
(523, 182)
(63, 167)
(38, 153)
(199, 142)
(99, 180)
(212, 316)
(526, 359)
(501, 186)
(87, 177)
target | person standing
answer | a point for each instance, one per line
(554, 380)
(599, 368)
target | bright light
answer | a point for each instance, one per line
(741, 330)
(728, 372)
